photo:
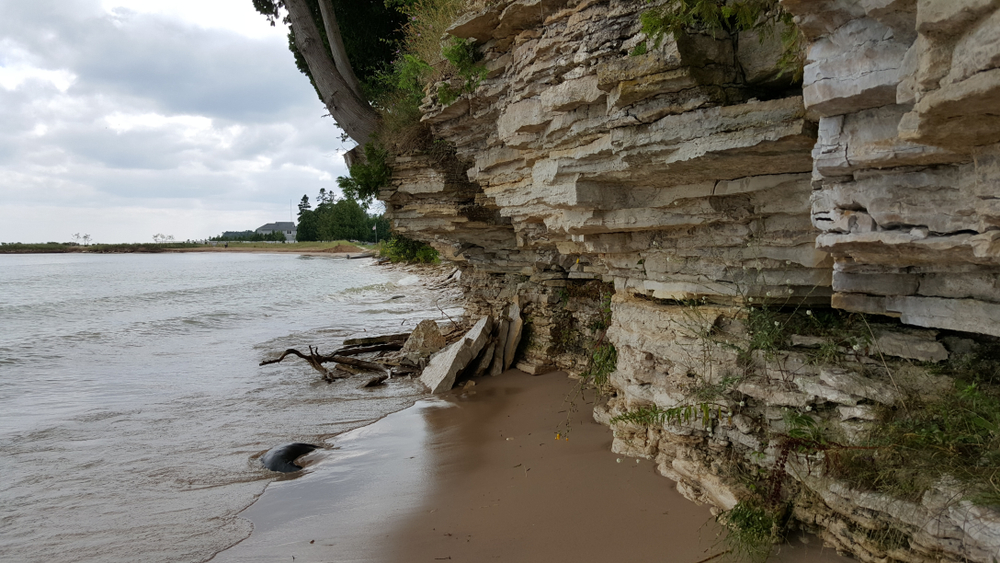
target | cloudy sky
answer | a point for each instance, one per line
(126, 118)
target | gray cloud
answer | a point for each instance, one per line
(110, 110)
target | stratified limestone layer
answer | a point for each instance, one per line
(906, 166)
(660, 172)
(676, 356)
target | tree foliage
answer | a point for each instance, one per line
(343, 219)
(401, 249)
(247, 236)
(371, 31)
(368, 177)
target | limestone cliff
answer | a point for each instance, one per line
(697, 183)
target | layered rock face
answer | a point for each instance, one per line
(699, 183)
(905, 169)
(661, 171)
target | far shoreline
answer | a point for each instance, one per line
(337, 249)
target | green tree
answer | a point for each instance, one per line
(304, 206)
(308, 229)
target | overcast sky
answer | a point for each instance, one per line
(126, 118)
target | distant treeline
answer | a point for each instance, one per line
(63, 247)
(251, 236)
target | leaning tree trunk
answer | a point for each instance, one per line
(351, 111)
(336, 40)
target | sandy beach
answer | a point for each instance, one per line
(339, 251)
(478, 475)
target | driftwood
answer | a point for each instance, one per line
(369, 340)
(315, 360)
(355, 350)
(356, 363)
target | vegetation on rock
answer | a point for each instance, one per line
(401, 249)
(764, 16)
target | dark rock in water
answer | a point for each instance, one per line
(282, 458)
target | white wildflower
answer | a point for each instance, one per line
(809, 407)
(743, 403)
(619, 460)
(809, 312)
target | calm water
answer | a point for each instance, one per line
(132, 406)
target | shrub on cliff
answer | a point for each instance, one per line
(764, 16)
(401, 249)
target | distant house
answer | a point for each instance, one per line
(286, 227)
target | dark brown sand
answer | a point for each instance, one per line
(479, 476)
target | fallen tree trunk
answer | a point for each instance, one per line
(355, 350)
(368, 340)
(356, 363)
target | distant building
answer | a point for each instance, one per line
(286, 227)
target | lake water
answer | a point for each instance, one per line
(132, 406)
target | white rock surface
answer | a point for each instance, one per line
(439, 375)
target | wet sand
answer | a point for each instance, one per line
(477, 475)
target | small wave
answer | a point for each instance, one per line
(409, 280)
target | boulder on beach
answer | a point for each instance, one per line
(425, 340)
(439, 375)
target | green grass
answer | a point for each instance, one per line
(603, 363)
(912, 448)
(751, 531)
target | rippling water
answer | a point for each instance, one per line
(132, 406)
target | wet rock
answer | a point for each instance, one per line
(425, 340)
(439, 375)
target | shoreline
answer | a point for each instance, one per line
(477, 474)
(141, 248)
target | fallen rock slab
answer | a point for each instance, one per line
(439, 375)
(513, 335)
(920, 347)
(425, 340)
